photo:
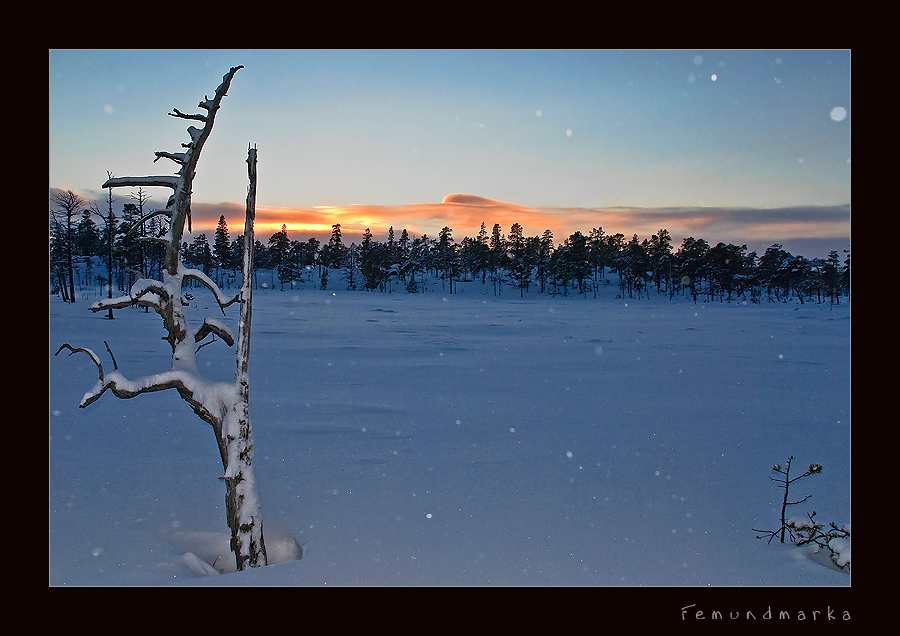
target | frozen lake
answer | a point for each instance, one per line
(465, 439)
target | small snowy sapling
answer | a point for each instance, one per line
(808, 531)
(814, 469)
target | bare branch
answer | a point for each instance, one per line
(177, 113)
(177, 157)
(146, 218)
(115, 364)
(87, 351)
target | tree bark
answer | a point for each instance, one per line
(241, 500)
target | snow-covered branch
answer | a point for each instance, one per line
(195, 133)
(162, 181)
(223, 300)
(144, 293)
(157, 239)
(93, 356)
(211, 325)
(208, 400)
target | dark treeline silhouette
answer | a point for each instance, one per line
(510, 263)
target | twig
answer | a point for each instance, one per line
(92, 355)
(115, 365)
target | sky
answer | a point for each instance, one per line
(738, 146)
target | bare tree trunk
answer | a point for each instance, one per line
(223, 406)
(241, 501)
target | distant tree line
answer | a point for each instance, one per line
(510, 263)
(109, 250)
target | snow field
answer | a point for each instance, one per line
(466, 439)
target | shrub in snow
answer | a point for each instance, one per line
(808, 531)
(835, 540)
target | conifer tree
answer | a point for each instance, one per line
(519, 265)
(291, 266)
(845, 274)
(403, 247)
(595, 245)
(691, 258)
(279, 246)
(482, 253)
(391, 247)
(221, 249)
(334, 253)
(87, 236)
(311, 253)
(659, 252)
(370, 261)
(201, 253)
(445, 255)
(831, 275)
(579, 260)
(543, 261)
(496, 252)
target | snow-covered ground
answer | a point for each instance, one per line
(465, 439)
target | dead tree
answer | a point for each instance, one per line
(222, 405)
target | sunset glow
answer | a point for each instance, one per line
(741, 147)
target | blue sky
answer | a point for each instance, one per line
(714, 144)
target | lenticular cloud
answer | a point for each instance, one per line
(470, 199)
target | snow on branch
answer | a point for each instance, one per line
(206, 399)
(74, 350)
(162, 181)
(211, 325)
(223, 300)
(144, 293)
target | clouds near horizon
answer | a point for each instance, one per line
(464, 214)
(819, 227)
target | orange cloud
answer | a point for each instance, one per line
(464, 214)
